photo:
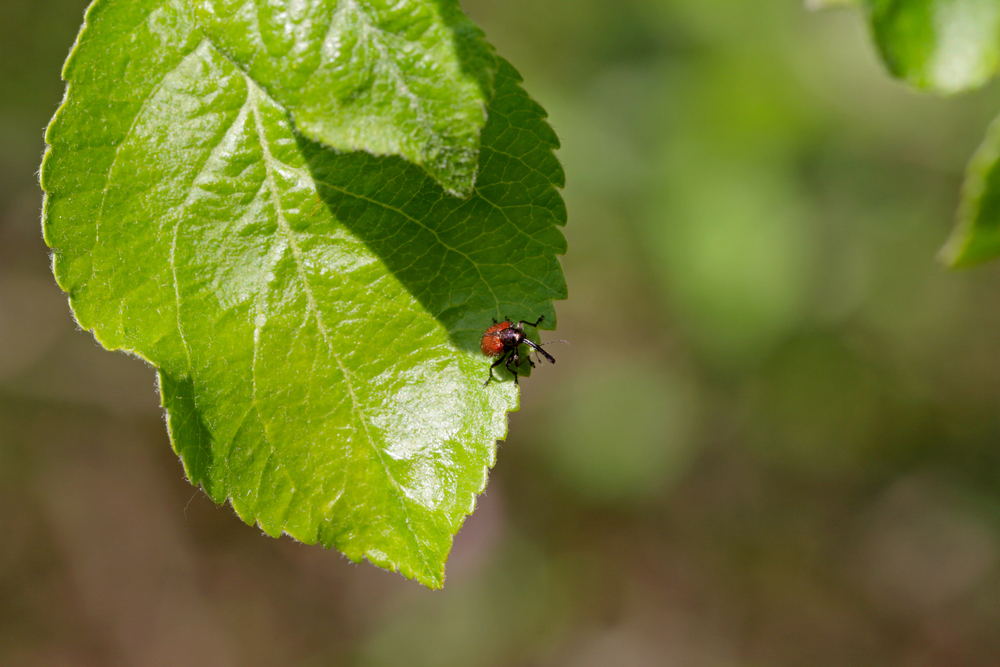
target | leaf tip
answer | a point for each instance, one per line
(965, 249)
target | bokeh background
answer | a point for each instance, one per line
(774, 440)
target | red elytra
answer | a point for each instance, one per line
(504, 339)
(491, 344)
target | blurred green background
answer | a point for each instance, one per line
(774, 440)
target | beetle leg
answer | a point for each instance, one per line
(517, 360)
(495, 364)
(535, 324)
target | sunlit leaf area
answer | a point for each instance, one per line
(773, 440)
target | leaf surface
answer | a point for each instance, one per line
(943, 46)
(977, 234)
(391, 77)
(316, 345)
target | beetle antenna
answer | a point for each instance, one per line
(538, 348)
(551, 341)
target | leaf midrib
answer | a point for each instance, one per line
(253, 99)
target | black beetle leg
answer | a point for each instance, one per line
(517, 360)
(535, 324)
(495, 364)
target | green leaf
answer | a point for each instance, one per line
(943, 46)
(391, 77)
(976, 237)
(317, 358)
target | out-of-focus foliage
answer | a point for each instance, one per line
(828, 489)
(648, 415)
(827, 4)
(977, 236)
(944, 46)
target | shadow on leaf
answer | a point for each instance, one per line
(470, 260)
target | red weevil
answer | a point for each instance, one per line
(504, 339)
